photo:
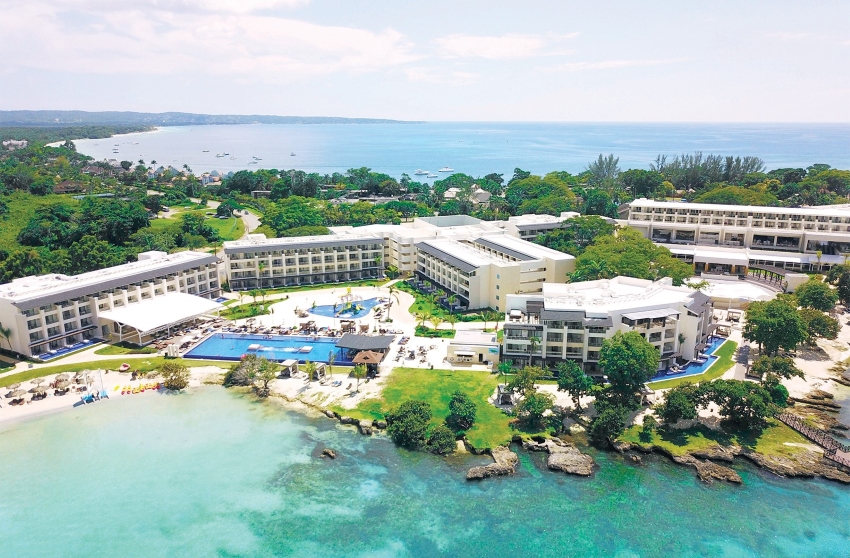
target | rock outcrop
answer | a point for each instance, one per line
(365, 427)
(347, 420)
(563, 456)
(330, 414)
(800, 464)
(505, 463)
(381, 424)
(328, 452)
(708, 471)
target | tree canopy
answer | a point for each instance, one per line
(773, 325)
(629, 361)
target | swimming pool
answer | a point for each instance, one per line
(231, 346)
(346, 310)
(694, 368)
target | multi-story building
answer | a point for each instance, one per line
(50, 312)
(731, 238)
(571, 321)
(260, 262)
(475, 260)
(481, 272)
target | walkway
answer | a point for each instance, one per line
(833, 449)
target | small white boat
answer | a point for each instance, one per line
(446, 169)
(292, 154)
(206, 151)
(256, 158)
(233, 158)
(219, 154)
(420, 171)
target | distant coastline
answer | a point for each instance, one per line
(60, 118)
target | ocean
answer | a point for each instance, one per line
(217, 473)
(472, 148)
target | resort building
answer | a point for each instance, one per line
(48, 313)
(473, 347)
(571, 321)
(732, 239)
(477, 261)
(258, 262)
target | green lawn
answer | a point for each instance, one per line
(772, 440)
(245, 311)
(119, 349)
(429, 332)
(22, 206)
(140, 364)
(231, 228)
(724, 362)
(423, 306)
(492, 427)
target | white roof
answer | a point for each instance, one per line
(161, 311)
(598, 298)
(466, 337)
(55, 287)
(822, 210)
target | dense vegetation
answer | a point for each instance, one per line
(51, 134)
(46, 232)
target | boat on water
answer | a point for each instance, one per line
(292, 154)
(420, 172)
(257, 158)
(233, 158)
(252, 162)
(446, 169)
(206, 151)
(219, 154)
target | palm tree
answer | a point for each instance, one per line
(263, 293)
(359, 372)
(452, 319)
(494, 316)
(819, 255)
(534, 343)
(254, 293)
(331, 360)
(6, 333)
(485, 317)
(504, 369)
(422, 317)
(261, 265)
(436, 321)
(310, 369)
(452, 300)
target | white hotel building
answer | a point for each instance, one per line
(132, 301)
(571, 321)
(734, 238)
(480, 262)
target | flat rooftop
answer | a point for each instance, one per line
(468, 337)
(521, 249)
(822, 210)
(254, 243)
(459, 254)
(33, 291)
(617, 294)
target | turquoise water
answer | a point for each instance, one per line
(214, 473)
(329, 311)
(693, 368)
(229, 346)
(475, 148)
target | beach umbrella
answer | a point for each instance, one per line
(17, 393)
(38, 381)
(15, 386)
(38, 389)
(62, 377)
(63, 384)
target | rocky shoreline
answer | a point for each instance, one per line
(567, 458)
(802, 464)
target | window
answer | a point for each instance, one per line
(497, 297)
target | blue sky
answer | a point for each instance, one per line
(719, 61)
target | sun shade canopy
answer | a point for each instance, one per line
(161, 312)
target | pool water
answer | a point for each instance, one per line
(693, 368)
(328, 310)
(229, 346)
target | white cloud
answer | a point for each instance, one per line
(499, 47)
(166, 42)
(788, 36)
(435, 75)
(608, 64)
